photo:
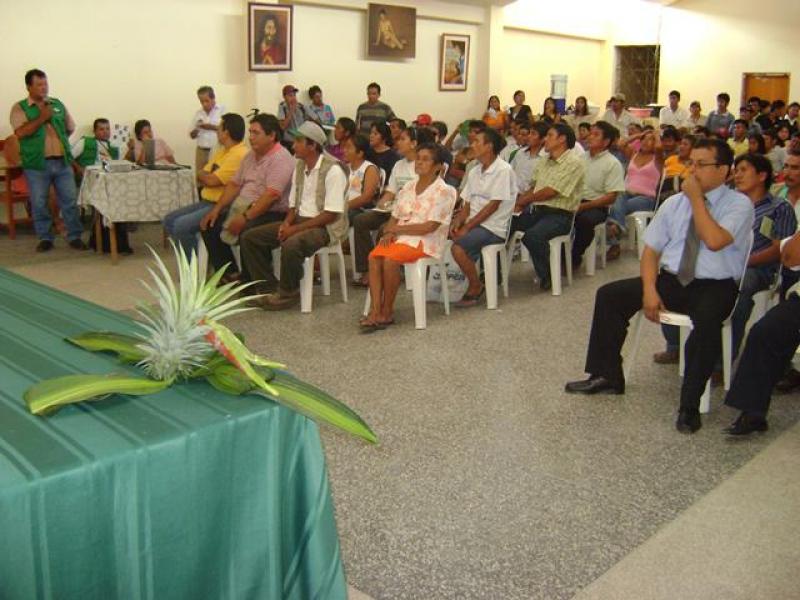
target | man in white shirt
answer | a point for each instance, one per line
(673, 114)
(618, 116)
(317, 217)
(205, 123)
(488, 203)
(526, 158)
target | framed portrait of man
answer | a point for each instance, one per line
(391, 31)
(454, 63)
(269, 37)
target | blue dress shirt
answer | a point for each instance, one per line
(732, 211)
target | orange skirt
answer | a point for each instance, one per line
(401, 253)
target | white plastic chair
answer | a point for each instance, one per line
(598, 246)
(556, 244)
(637, 221)
(307, 282)
(684, 322)
(202, 256)
(762, 302)
(489, 258)
(417, 277)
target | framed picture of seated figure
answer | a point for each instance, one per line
(391, 31)
(454, 62)
(269, 37)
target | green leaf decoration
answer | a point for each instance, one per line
(318, 405)
(229, 379)
(126, 347)
(50, 395)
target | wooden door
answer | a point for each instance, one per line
(767, 86)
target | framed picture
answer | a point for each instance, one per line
(269, 37)
(454, 63)
(391, 31)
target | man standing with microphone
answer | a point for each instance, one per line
(43, 126)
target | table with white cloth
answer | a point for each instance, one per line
(141, 195)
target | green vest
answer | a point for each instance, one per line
(89, 154)
(337, 231)
(31, 148)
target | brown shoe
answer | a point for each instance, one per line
(717, 379)
(279, 301)
(613, 252)
(668, 357)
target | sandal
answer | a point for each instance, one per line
(359, 283)
(468, 300)
(370, 326)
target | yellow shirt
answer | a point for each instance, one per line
(565, 176)
(673, 167)
(739, 147)
(224, 165)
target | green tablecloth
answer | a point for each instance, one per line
(187, 494)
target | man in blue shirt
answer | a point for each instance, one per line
(691, 270)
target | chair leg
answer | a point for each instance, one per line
(489, 260)
(590, 256)
(555, 267)
(727, 353)
(684, 331)
(325, 272)
(568, 255)
(408, 277)
(276, 261)
(445, 287)
(418, 289)
(202, 255)
(351, 238)
(342, 272)
(505, 268)
(705, 399)
(636, 331)
(307, 285)
(367, 304)
(641, 225)
(603, 244)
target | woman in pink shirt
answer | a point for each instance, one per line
(144, 131)
(417, 229)
(641, 187)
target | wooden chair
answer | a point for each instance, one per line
(15, 188)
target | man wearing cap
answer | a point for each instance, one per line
(43, 124)
(291, 114)
(317, 217)
(618, 116)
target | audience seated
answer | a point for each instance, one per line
(756, 144)
(344, 129)
(519, 110)
(641, 187)
(738, 142)
(775, 151)
(381, 152)
(373, 110)
(183, 224)
(582, 134)
(719, 121)
(143, 132)
(371, 220)
(494, 116)
(322, 113)
(547, 210)
(619, 116)
(525, 159)
(768, 352)
(317, 217)
(603, 181)
(696, 118)
(672, 114)
(416, 229)
(679, 273)
(463, 157)
(396, 125)
(257, 194)
(291, 114)
(549, 113)
(364, 178)
(513, 141)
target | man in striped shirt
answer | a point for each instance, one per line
(373, 110)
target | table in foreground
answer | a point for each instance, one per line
(189, 493)
(138, 196)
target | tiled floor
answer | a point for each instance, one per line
(489, 481)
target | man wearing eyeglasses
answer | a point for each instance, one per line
(695, 251)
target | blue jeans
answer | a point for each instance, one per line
(475, 240)
(540, 227)
(183, 224)
(60, 175)
(626, 204)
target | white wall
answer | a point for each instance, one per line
(708, 45)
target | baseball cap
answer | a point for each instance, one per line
(424, 120)
(618, 96)
(310, 131)
(289, 89)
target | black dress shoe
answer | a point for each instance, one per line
(44, 246)
(77, 244)
(688, 422)
(545, 285)
(594, 385)
(747, 424)
(789, 383)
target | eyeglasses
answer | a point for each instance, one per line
(700, 164)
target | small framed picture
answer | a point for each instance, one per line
(269, 37)
(454, 63)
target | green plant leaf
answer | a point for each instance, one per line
(229, 379)
(50, 395)
(126, 347)
(318, 405)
